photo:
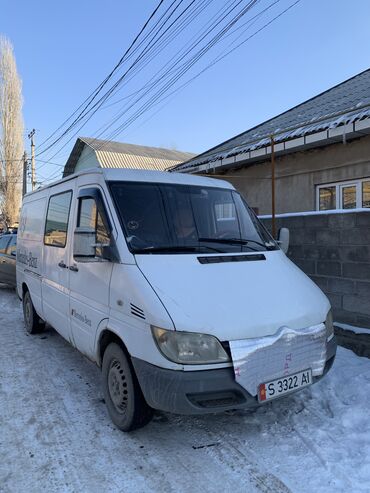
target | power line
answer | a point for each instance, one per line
(162, 95)
(206, 68)
(92, 96)
(212, 20)
(106, 96)
(249, 23)
(202, 5)
(184, 67)
(223, 15)
(222, 56)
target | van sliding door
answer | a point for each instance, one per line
(55, 283)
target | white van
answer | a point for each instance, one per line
(172, 286)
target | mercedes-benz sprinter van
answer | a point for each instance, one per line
(172, 286)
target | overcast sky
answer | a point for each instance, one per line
(64, 50)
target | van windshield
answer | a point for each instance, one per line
(170, 218)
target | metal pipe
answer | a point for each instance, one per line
(273, 224)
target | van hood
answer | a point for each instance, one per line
(234, 300)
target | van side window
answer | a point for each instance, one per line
(57, 220)
(87, 216)
(31, 226)
(91, 223)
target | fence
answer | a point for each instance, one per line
(334, 250)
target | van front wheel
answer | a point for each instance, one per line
(123, 397)
(32, 321)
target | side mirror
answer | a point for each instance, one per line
(13, 253)
(85, 245)
(283, 239)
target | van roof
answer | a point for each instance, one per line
(163, 177)
(113, 174)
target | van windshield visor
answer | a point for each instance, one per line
(169, 218)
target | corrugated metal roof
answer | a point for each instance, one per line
(136, 150)
(121, 155)
(345, 103)
(119, 160)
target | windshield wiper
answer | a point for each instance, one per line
(237, 241)
(177, 248)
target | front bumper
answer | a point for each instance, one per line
(200, 392)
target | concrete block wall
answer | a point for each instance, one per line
(334, 250)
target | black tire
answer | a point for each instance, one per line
(32, 321)
(123, 397)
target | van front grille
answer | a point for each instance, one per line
(216, 399)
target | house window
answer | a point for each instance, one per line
(366, 193)
(225, 211)
(327, 198)
(346, 195)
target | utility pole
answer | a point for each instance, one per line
(33, 164)
(25, 164)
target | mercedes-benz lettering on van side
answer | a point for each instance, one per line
(173, 287)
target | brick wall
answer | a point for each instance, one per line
(334, 250)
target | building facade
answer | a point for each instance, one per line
(336, 176)
(321, 151)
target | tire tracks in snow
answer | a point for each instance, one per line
(230, 453)
(321, 413)
(56, 434)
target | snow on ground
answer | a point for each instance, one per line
(56, 436)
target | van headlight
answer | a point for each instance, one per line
(189, 347)
(329, 325)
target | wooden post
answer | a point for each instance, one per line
(273, 223)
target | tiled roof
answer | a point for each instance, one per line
(345, 103)
(120, 155)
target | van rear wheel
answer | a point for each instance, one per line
(123, 396)
(32, 321)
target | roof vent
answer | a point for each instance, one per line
(138, 312)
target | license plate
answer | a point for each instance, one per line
(275, 388)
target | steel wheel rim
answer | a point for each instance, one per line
(117, 386)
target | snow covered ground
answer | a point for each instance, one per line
(56, 436)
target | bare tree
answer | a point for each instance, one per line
(11, 134)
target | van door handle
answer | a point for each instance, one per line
(73, 268)
(62, 265)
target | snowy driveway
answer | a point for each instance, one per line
(55, 434)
